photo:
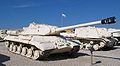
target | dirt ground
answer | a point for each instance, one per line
(82, 58)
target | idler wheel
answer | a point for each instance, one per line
(7, 44)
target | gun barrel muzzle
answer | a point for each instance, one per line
(109, 20)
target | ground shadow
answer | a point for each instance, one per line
(117, 47)
(2, 40)
(107, 57)
(3, 58)
(97, 62)
(108, 48)
(63, 56)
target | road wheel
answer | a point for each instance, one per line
(19, 49)
(24, 51)
(14, 48)
(11, 47)
(29, 53)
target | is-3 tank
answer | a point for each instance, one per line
(38, 41)
(2, 34)
(115, 34)
(99, 37)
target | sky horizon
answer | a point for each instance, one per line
(19, 13)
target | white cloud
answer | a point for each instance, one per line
(22, 6)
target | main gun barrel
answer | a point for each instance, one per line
(109, 20)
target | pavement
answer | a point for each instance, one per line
(109, 57)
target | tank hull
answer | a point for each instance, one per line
(39, 47)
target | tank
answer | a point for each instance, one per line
(101, 38)
(115, 34)
(37, 41)
(2, 34)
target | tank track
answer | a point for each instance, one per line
(97, 45)
(31, 51)
(85, 46)
(26, 51)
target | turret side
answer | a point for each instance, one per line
(92, 32)
(38, 29)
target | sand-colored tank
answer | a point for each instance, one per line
(99, 37)
(40, 40)
(2, 34)
(115, 34)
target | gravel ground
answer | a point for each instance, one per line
(82, 58)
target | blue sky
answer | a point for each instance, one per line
(19, 13)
